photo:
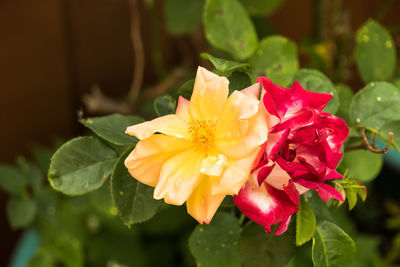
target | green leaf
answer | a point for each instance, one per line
(12, 180)
(305, 223)
(229, 28)
(238, 80)
(183, 16)
(261, 7)
(363, 165)
(81, 165)
(68, 250)
(226, 67)
(20, 211)
(186, 89)
(331, 246)
(112, 128)
(345, 96)
(375, 52)
(259, 249)
(134, 200)
(216, 244)
(351, 189)
(164, 105)
(376, 104)
(320, 208)
(276, 58)
(316, 81)
(394, 127)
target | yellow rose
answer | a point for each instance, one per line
(205, 150)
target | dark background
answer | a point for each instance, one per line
(53, 51)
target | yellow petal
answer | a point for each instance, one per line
(145, 161)
(242, 128)
(235, 176)
(209, 95)
(202, 205)
(170, 125)
(233, 122)
(179, 176)
(214, 165)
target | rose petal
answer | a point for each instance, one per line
(145, 161)
(179, 175)
(201, 204)
(170, 125)
(209, 95)
(265, 204)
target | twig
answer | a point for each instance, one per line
(138, 68)
(371, 146)
(374, 139)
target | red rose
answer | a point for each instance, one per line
(301, 153)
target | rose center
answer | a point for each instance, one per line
(202, 134)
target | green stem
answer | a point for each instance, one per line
(241, 219)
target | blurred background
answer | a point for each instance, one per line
(58, 56)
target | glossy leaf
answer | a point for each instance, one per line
(276, 59)
(305, 223)
(375, 52)
(345, 96)
(20, 211)
(229, 28)
(81, 165)
(12, 180)
(238, 81)
(320, 208)
(226, 67)
(133, 200)
(376, 104)
(258, 248)
(183, 16)
(362, 165)
(316, 81)
(261, 7)
(164, 105)
(112, 128)
(216, 244)
(332, 247)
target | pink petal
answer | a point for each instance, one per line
(265, 204)
(324, 191)
(281, 101)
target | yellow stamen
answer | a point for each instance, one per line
(202, 134)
